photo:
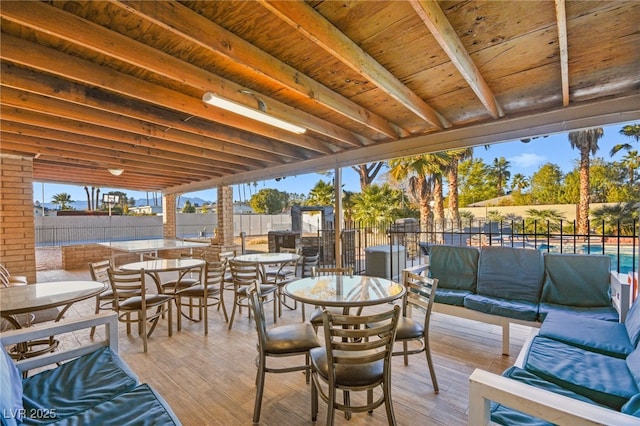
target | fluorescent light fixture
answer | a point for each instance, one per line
(254, 114)
(116, 172)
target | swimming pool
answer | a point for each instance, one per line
(626, 258)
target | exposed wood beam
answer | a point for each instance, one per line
(57, 88)
(186, 24)
(38, 103)
(45, 18)
(434, 18)
(561, 19)
(560, 120)
(66, 66)
(316, 28)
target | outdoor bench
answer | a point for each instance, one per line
(92, 385)
(507, 285)
(574, 371)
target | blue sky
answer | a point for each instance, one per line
(524, 158)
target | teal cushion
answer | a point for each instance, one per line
(10, 390)
(518, 309)
(632, 407)
(633, 363)
(605, 337)
(510, 273)
(77, 385)
(632, 323)
(576, 279)
(508, 416)
(603, 313)
(450, 296)
(140, 406)
(454, 267)
(603, 379)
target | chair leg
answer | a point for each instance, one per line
(179, 308)
(259, 389)
(405, 347)
(314, 400)
(170, 319)
(434, 381)
(233, 311)
(93, 329)
(206, 314)
(391, 417)
(142, 324)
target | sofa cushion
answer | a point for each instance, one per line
(518, 309)
(632, 323)
(77, 385)
(603, 313)
(632, 407)
(140, 406)
(603, 379)
(633, 363)
(450, 296)
(510, 273)
(454, 267)
(508, 416)
(10, 390)
(576, 279)
(605, 337)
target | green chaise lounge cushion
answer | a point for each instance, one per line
(456, 269)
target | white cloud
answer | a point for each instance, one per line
(527, 160)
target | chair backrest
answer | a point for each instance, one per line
(255, 303)
(244, 273)
(420, 292)
(214, 275)
(226, 255)
(350, 341)
(317, 272)
(308, 263)
(127, 283)
(99, 270)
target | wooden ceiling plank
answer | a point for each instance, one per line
(42, 17)
(312, 25)
(93, 131)
(57, 88)
(434, 18)
(561, 18)
(187, 24)
(66, 66)
(51, 148)
(39, 103)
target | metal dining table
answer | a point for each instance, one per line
(264, 259)
(344, 291)
(30, 298)
(154, 267)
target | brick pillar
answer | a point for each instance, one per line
(225, 216)
(17, 225)
(169, 215)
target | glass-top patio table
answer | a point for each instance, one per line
(344, 291)
(152, 246)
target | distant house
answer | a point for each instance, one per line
(242, 208)
(150, 210)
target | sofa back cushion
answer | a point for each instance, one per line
(510, 273)
(633, 363)
(454, 267)
(10, 390)
(632, 324)
(576, 279)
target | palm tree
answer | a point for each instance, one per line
(500, 170)
(322, 194)
(376, 204)
(587, 142)
(631, 131)
(62, 200)
(455, 157)
(89, 201)
(631, 161)
(617, 217)
(519, 182)
(418, 170)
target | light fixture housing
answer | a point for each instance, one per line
(116, 172)
(254, 114)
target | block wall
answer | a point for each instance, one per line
(17, 231)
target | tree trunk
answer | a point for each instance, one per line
(86, 189)
(438, 204)
(583, 207)
(453, 197)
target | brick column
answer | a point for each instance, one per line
(225, 216)
(17, 225)
(169, 215)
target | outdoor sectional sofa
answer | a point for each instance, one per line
(92, 386)
(576, 370)
(505, 285)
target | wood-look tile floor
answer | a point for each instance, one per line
(210, 380)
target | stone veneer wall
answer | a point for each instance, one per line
(169, 216)
(17, 231)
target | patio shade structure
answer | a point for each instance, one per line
(92, 86)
